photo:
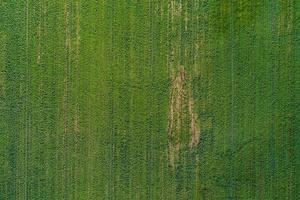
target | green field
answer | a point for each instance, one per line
(157, 99)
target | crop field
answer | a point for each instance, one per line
(149, 99)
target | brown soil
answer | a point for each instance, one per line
(181, 99)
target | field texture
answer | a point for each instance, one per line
(156, 99)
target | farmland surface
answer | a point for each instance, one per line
(136, 99)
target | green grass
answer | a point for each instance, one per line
(85, 99)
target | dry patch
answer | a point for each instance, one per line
(176, 9)
(194, 124)
(181, 115)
